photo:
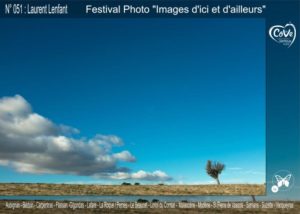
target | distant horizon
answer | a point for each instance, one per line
(146, 101)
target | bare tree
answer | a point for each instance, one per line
(214, 169)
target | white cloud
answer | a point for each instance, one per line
(16, 105)
(234, 168)
(124, 156)
(4, 162)
(62, 143)
(139, 175)
(156, 175)
(31, 143)
(254, 172)
(245, 171)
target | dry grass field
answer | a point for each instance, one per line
(72, 189)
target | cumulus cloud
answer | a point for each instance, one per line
(125, 156)
(31, 143)
(156, 175)
(140, 175)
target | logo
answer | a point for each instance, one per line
(284, 35)
(282, 180)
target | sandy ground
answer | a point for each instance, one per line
(72, 189)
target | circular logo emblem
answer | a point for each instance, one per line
(274, 188)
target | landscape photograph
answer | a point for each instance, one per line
(124, 107)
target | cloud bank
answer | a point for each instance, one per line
(31, 143)
(140, 175)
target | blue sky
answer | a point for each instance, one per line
(177, 92)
